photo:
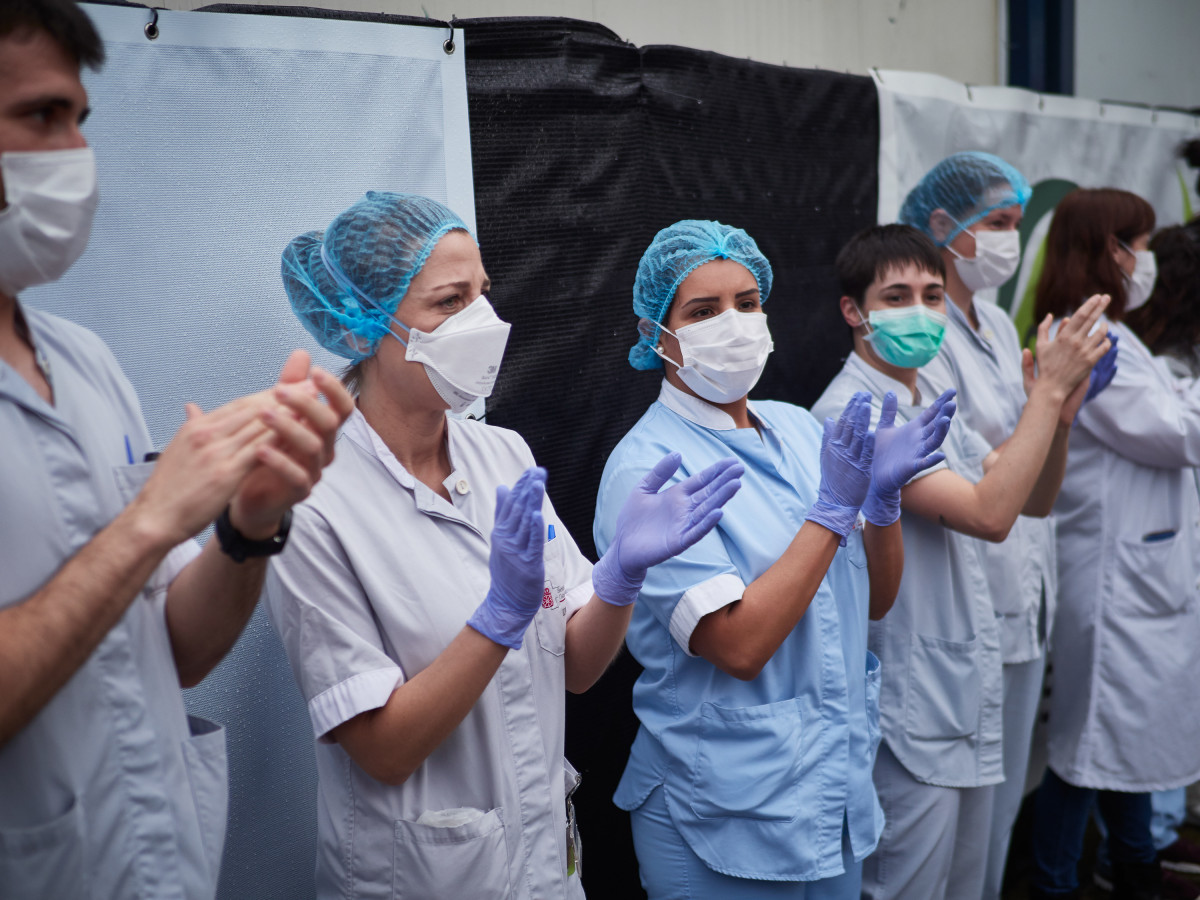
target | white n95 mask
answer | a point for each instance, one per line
(52, 197)
(723, 356)
(997, 255)
(1140, 284)
(462, 355)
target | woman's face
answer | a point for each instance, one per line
(711, 289)
(1006, 218)
(451, 279)
(1124, 255)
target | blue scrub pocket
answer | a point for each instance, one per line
(748, 762)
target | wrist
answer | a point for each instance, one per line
(151, 530)
(612, 583)
(260, 527)
(881, 508)
(838, 519)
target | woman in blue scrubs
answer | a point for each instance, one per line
(751, 773)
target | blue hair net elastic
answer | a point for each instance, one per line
(345, 283)
(673, 254)
(968, 186)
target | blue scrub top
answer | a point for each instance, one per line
(760, 775)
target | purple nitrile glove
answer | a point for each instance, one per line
(1103, 371)
(516, 563)
(903, 451)
(847, 448)
(652, 526)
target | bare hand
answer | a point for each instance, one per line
(1067, 360)
(303, 431)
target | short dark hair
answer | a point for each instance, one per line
(67, 25)
(873, 251)
(1078, 259)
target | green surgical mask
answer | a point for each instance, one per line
(907, 337)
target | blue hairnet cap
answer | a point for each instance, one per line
(968, 186)
(674, 253)
(345, 283)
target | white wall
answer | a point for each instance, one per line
(1141, 52)
(955, 38)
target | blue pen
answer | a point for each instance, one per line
(550, 533)
(128, 450)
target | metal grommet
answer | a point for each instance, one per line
(448, 46)
(151, 28)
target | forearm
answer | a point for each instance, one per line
(740, 638)
(885, 565)
(390, 743)
(208, 605)
(1045, 491)
(594, 635)
(46, 638)
(1005, 489)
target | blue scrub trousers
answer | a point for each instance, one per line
(671, 871)
(1061, 812)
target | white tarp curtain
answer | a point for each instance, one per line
(217, 143)
(1057, 143)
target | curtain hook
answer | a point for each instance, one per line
(151, 28)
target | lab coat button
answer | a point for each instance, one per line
(462, 487)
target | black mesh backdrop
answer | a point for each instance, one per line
(583, 147)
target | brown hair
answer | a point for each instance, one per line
(869, 255)
(1079, 259)
(1170, 320)
(64, 20)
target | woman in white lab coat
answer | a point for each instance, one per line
(433, 618)
(1125, 714)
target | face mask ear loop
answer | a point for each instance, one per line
(658, 352)
(862, 320)
(343, 281)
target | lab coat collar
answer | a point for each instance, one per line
(960, 320)
(358, 430)
(701, 412)
(880, 383)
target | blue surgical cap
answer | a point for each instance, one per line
(345, 283)
(674, 253)
(968, 186)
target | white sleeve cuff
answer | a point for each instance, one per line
(346, 699)
(700, 600)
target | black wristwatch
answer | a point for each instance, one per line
(239, 548)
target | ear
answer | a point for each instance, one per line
(940, 224)
(850, 313)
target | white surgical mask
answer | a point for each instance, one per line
(462, 355)
(997, 256)
(52, 198)
(723, 356)
(1140, 284)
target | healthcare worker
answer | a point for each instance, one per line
(970, 204)
(433, 616)
(939, 646)
(750, 776)
(108, 789)
(1124, 717)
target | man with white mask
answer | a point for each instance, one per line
(750, 776)
(106, 607)
(970, 204)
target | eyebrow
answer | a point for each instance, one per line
(58, 101)
(753, 290)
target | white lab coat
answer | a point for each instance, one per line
(1125, 712)
(379, 577)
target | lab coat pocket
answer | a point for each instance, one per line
(208, 769)
(131, 479)
(748, 762)
(45, 860)
(1153, 578)
(434, 861)
(551, 630)
(874, 672)
(942, 699)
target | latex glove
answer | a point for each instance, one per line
(847, 449)
(652, 526)
(903, 451)
(516, 562)
(1103, 371)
